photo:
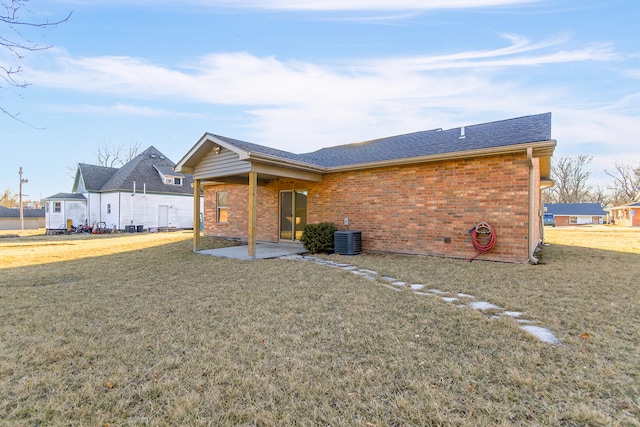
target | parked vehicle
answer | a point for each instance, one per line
(549, 219)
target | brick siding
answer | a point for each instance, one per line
(422, 209)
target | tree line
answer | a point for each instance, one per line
(573, 184)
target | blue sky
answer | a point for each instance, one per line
(300, 75)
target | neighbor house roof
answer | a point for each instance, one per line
(26, 212)
(575, 209)
(93, 176)
(630, 205)
(143, 170)
(66, 196)
(167, 170)
(488, 138)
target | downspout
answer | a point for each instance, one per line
(533, 260)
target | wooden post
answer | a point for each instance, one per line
(196, 214)
(253, 186)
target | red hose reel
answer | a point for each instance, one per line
(484, 239)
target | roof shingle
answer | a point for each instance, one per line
(521, 130)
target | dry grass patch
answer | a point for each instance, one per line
(158, 335)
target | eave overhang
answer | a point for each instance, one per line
(262, 162)
(209, 141)
(542, 149)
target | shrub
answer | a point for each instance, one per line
(318, 237)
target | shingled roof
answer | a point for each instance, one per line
(573, 209)
(143, 170)
(66, 196)
(433, 142)
(500, 137)
(94, 176)
(26, 212)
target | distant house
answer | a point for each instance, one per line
(576, 213)
(144, 193)
(418, 193)
(627, 215)
(10, 218)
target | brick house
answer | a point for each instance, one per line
(627, 215)
(418, 193)
(576, 213)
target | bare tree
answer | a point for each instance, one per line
(626, 183)
(571, 175)
(14, 39)
(115, 155)
(132, 151)
(107, 155)
(8, 199)
(600, 195)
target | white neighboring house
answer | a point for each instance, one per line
(146, 193)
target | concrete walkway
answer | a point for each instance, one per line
(263, 251)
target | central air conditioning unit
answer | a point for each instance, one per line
(347, 242)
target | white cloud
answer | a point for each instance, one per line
(292, 101)
(371, 4)
(120, 109)
(318, 5)
(243, 79)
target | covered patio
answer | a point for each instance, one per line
(262, 251)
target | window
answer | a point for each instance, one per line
(173, 180)
(222, 206)
(108, 208)
(573, 220)
(57, 207)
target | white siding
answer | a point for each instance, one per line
(81, 188)
(93, 208)
(587, 219)
(69, 210)
(143, 209)
(126, 209)
(111, 219)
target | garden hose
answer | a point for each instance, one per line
(484, 239)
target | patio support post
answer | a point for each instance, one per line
(196, 214)
(531, 245)
(253, 186)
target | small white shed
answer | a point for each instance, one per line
(63, 210)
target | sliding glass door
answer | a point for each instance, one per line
(293, 214)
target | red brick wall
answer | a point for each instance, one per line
(624, 217)
(420, 209)
(237, 212)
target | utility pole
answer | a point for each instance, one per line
(22, 181)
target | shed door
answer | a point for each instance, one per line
(293, 214)
(163, 216)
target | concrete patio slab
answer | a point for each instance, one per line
(263, 251)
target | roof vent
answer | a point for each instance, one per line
(462, 135)
(162, 157)
(153, 156)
